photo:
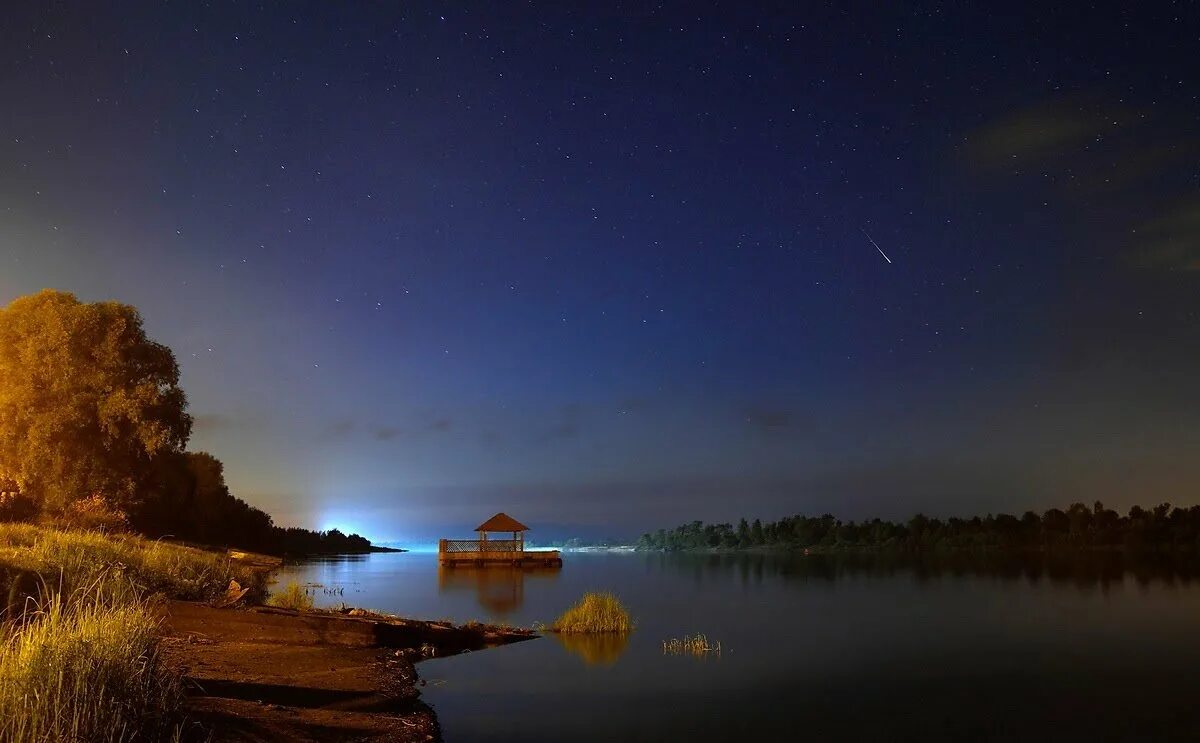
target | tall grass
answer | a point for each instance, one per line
(71, 560)
(79, 650)
(86, 668)
(595, 612)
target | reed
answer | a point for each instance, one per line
(85, 667)
(79, 654)
(696, 644)
(595, 612)
(295, 596)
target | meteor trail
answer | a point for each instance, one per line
(889, 260)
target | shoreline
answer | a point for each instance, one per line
(265, 673)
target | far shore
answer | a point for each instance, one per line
(375, 548)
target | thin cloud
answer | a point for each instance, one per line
(1121, 168)
(567, 425)
(1172, 239)
(209, 422)
(385, 433)
(771, 419)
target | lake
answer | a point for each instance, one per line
(812, 647)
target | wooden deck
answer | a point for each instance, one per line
(478, 553)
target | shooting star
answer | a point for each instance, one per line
(889, 260)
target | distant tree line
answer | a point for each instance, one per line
(577, 543)
(94, 429)
(198, 506)
(1162, 527)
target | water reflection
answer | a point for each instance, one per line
(596, 650)
(499, 589)
(1081, 569)
(1089, 646)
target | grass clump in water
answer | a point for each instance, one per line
(696, 644)
(595, 612)
(293, 597)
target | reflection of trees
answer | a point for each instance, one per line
(600, 649)
(499, 589)
(1083, 569)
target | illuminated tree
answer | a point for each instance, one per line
(87, 401)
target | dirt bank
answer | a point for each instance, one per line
(266, 674)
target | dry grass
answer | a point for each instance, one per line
(696, 644)
(86, 668)
(295, 596)
(73, 560)
(595, 612)
(79, 650)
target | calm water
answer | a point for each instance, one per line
(813, 648)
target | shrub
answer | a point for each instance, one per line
(292, 597)
(595, 612)
(95, 513)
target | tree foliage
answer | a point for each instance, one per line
(87, 401)
(93, 430)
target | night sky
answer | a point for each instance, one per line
(614, 267)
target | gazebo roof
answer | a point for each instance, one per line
(502, 522)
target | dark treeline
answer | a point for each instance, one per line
(192, 502)
(578, 543)
(1080, 527)
(186, 499)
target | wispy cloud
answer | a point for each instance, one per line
(1121, 167)
(770, 419)
(385, 433)
(210, 422)
(566, 425)
(1047, 131)
(339, 429)
(1172, 239)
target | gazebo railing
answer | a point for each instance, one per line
(481, 545)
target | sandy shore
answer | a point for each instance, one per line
(266, 674)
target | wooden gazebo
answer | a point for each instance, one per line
(502, 522)
(488, 551)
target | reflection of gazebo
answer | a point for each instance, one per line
(499, 589)
(485, 551)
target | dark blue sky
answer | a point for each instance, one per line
(607, 268)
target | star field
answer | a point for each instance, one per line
(610, 266)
